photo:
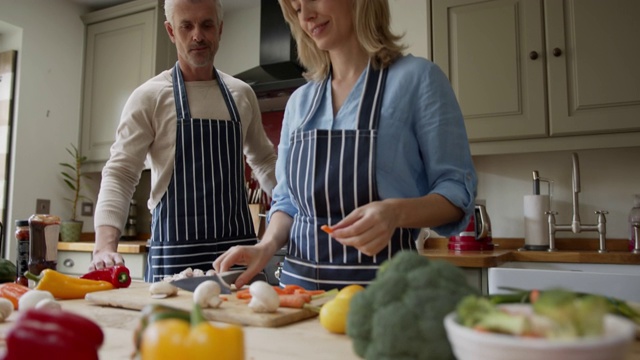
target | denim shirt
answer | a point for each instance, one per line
(422, 142)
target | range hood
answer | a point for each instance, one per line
(279, 70)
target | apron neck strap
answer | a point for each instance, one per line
(371, 103)
(182, 102)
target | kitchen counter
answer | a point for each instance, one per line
(124, 247)
(303, 340)
(507, 250)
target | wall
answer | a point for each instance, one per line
(49, 37)
(609, 179)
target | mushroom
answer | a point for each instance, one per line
(6, 308)
(48, 304)
(207, 294)
(264, 298)
(32, 297)
(162, 289)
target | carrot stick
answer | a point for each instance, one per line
(296, 301)
(327, 229)
(243, 294)
(12, 292)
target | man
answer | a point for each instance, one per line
(193, 124)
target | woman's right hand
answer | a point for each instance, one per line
(255, 257)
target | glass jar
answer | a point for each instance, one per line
(22, 245)
(44, 232)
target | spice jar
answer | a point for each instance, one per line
(44, 231)
(22, 244)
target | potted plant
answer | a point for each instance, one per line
(72, 175)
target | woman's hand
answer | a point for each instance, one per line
(368, 228)
(254, 257)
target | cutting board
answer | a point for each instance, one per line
(233, 311)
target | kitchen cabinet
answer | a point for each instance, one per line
(125, 46)
(73, 262)
(77, 263)
(552, 72)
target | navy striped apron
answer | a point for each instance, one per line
(331, 173)
(204, 211)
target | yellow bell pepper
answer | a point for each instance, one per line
(174, 339)
(67, 287)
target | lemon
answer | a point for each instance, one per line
(348, 291)
(333, 314)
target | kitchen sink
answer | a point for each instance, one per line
(619, 281)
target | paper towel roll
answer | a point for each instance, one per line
(536, 228)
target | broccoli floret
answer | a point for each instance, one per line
(400, 314)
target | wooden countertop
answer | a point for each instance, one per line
(87, 243)
(302, 340)
(569, 251)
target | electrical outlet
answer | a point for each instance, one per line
(87, 208)
(43, 206)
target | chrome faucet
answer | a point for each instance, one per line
(576, 226)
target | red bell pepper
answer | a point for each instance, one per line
(117, 275)
(52, 335)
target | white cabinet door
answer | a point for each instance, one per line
(593, 54)
(119, 57)
(484, 47)
(524, 69)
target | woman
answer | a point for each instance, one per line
(374, 146)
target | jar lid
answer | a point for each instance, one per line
(22, 222)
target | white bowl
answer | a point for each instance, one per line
(469, 344)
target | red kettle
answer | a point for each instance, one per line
(477, 234)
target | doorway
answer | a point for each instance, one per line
(7, 88)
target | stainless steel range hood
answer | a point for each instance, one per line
(278, 71)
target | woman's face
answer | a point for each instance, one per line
(328, 22)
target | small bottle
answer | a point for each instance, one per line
(634, 222)
(22, 244)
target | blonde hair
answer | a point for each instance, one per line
(372, 21)
(170, 4)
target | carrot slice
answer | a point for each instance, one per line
(296, 301)
(327, 229)
(13, 292)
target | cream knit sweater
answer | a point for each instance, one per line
(147, 132)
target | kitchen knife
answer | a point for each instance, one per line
(223, 279)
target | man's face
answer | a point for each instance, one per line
(195, 31)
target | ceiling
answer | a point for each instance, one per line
(228, 5)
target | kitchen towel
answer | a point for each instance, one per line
(536, 228)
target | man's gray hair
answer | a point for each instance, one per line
(170, 4)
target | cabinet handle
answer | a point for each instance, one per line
(68, 263)
(533, 55)
(557, 52)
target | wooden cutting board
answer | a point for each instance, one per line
(232, 311)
